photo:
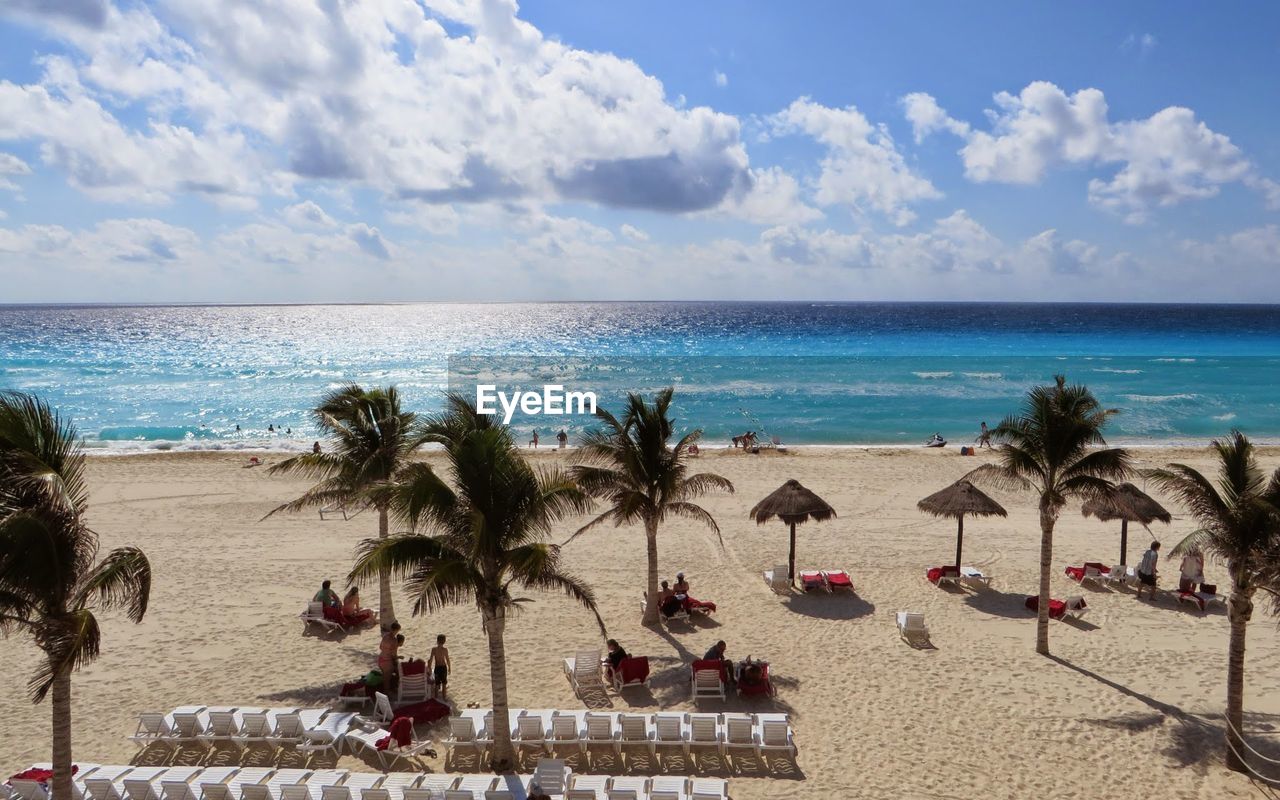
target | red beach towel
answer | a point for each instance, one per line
(634, 669)
(401, 731)
(1075, 573)
(1056, 607)
(425, 712)
(414, 666)
(712, 664)
(691, 604)
(839, 579)
(752, 689)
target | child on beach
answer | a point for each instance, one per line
(440, 671)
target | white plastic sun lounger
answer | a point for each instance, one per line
(670, 731)
(777, 579)
(587, 787)
(584, 671)
(314, 615)
(552, 775)
(704, 731)
(628, 787)
(974, 575)
(911, 627)
(708, 789)
(139, 786)
(666, 787)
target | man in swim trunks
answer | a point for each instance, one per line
(440, 671)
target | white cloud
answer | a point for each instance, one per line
(720, 78)
(926, 116)
(862, 167)
(1141, 44)
(1163, 160)
(376, 94)
(633, 233)
(771, 197)
(307, 215)
(11, 165)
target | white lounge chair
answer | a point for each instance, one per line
(669, 731)
(1076, 607)
(565, 730)
(911, 627)
(599, 729)
(587, 787)
(704, 731)
(628, 787)
(584, 672)
(811, 580)
(666, 787)
(463, 735)
(139, 785)
(775, 734)
(708, 789)
(634, 729)
(708, 683)
(740, 733)
(1118, 574)
(314, 615)
(552, 775)
(383, 714)
(152, 727)
(777, 579)
(973, 575)
(530, 731)
(413, 688)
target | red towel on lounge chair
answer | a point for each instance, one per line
(1075, 573)
(401, 731)
(414, 666)
(839, 580)
(633, 669)
(354, 689)
(712, 664)
(1057, 608)
(1099, 566)
(1192, 597)
(39, 775)
(935, 574)
(424, 712)
(705, 606)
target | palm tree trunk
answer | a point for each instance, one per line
(502, 758)
(1048, 518)
(651, 542)
(1240, 610)
(61, 692)
(386, 605)
(959, 539)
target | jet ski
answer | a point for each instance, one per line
(936, 441)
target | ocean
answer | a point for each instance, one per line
(184, 377)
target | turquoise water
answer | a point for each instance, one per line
(146, 377)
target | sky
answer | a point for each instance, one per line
(419, 150)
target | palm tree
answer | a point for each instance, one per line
(1239, 521)
(1054, 447)
(369, 440)
(632, 466)
(51, 580)
(488, 536)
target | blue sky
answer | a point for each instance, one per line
(567, 149)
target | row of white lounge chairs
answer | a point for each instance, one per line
(547, 729)
(95, 782)
(308, 729)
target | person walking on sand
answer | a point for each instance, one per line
(984, 437)
(1147, 570)
(563, 438)
(439, 664)
(534, 441)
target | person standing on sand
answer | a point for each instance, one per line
(1192, 570)
(984, 438)
(1147, 570)
(563, 438)
(388, 651)
(534, 441)
(438, 662)
(315, 448)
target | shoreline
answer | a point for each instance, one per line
(295, 447)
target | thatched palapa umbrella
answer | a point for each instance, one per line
(793, 504)
(958, 500)
(1126, 503)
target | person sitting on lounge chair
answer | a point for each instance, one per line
(689, 604)
(327, 596)
(351, 609)
(668, 603)
(717, 653)
(614, 657)
(751, 674)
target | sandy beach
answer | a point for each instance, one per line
(1130, 704)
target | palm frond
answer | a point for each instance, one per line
(121, 580)
(68, 641)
